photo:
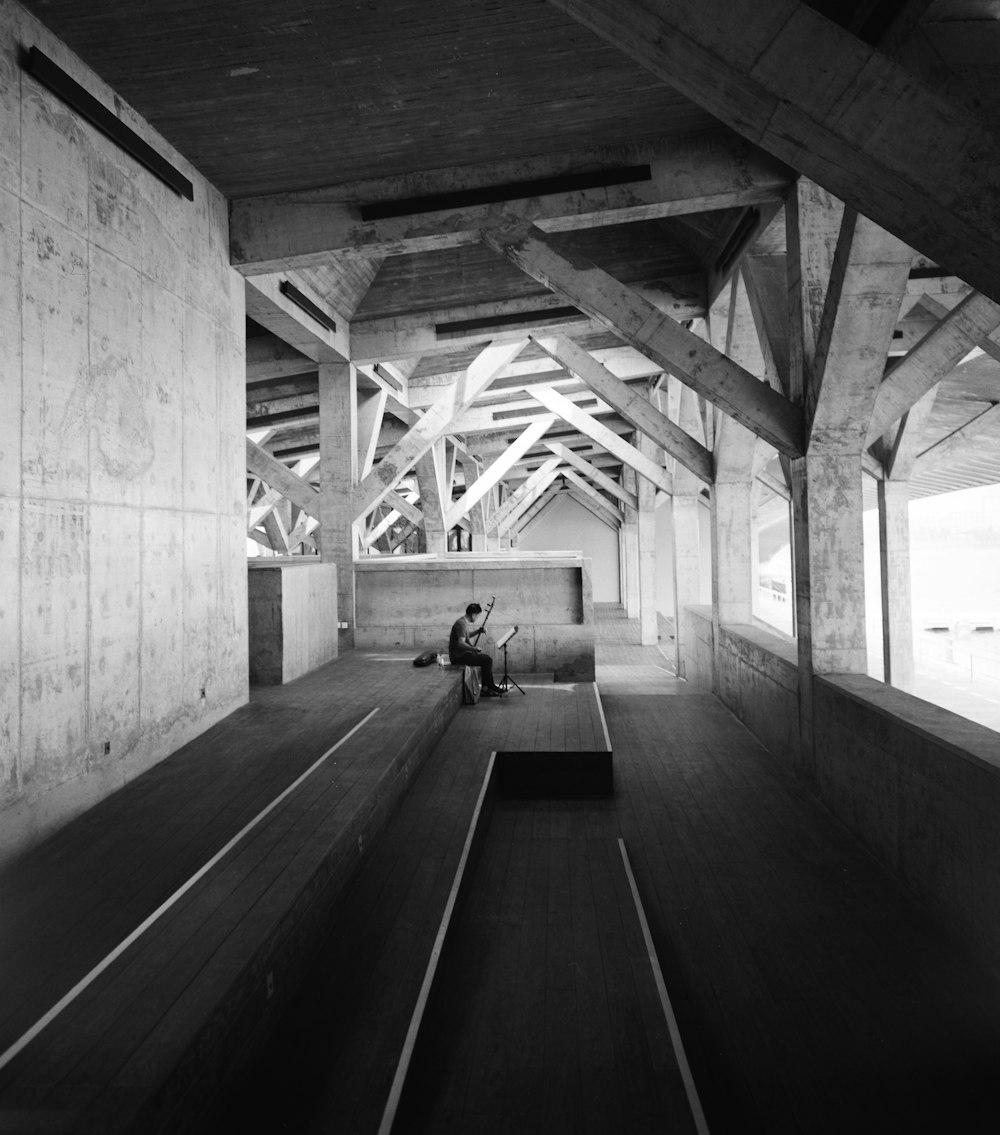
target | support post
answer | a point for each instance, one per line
(431, 503)
(732, 552)
(338, 447)
(687, 569)
(630, 549)
(646, 540)
(897, 611)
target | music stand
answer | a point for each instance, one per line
(506, 681)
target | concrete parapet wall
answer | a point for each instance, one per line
(918, 785)
(122, 453)
(293, 618)
(413, 601)
(697, 646)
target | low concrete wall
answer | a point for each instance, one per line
(293, 618)
(697, 646)
(918, 785)
(413, 601)
(754, 674)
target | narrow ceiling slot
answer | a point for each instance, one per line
(514, 319)
(78, 98)
(303, 302)
(514, 191)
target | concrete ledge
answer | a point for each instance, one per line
(293, 617)
(919, 786)
(412, 602)
(143, 1048)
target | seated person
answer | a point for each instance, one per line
(462, 650)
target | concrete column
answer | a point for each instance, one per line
(431, 504)
(828, 564)
(646, 545)
(828, 520)
(687, 568)
(897, 611)
(630, 550)
(338, 448)
(732, 552)
(477, 524)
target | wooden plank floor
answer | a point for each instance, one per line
(332, 1064)
(545, 983)
(71, 902)
(813, 994)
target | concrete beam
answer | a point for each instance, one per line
(756, 69)
(634, 406)
(718, 171)
(867, 283)
(952, 448)
(416, 335)
(589, 470)
(271, 308)
(656, 335)
(593, 503)
(278, 476)
(552, 400)
(498, 469)
(908, 443)
(269, 357)
(583, 489)
(435, 423)
(932, 359)
(526, 495)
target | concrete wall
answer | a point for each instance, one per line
(122, 466)
(920, 787)
(412, 602)
(753, 673)
(293, 617)
(566, 525)
(665, 590)
(917, 785)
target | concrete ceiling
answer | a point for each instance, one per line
(343, 107)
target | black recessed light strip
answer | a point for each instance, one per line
(515, 319)
(514, 191)
(291, 292)
(40, 67)
(930, 272)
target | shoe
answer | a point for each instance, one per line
(489, 694)
(494, 690)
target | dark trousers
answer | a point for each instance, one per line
(476, 658)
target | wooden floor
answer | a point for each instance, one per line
(546, 1018)
(147, 1007)
(812, 994)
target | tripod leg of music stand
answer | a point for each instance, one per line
(507, 681)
